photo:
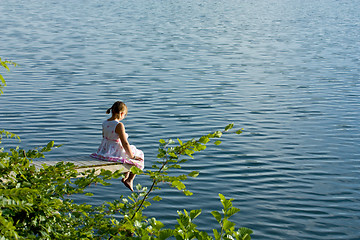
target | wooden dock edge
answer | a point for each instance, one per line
(112, 167)
(84, 163)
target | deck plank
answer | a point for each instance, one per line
(84, 163)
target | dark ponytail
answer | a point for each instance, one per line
(117, 108)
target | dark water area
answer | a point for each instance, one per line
(285, 71)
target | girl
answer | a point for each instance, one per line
(115, 146)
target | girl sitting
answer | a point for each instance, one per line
(115, 147)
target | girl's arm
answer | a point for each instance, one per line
(120, 130)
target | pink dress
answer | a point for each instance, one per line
(112, 150)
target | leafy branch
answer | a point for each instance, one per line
(171, 158)
(2, 85)
(5, 65)
(34, 201)
(227, 227)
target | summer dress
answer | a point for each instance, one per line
(112, 150)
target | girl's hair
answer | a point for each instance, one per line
(117, 108)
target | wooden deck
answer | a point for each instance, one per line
(86, 162)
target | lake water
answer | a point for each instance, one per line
(285, 71)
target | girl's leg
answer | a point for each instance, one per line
(130, 181)
(126, 176)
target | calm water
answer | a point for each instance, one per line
(285, 71)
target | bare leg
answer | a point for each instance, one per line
(126, 177)
(128, 182)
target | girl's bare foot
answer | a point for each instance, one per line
(125, 177)
(128, 180)
(128, 184)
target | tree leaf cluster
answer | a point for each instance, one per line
(36, 203)
(228, 231)
(4, 64)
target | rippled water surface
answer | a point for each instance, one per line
(285, 71)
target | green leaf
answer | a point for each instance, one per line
(146, 204)
(216, 234)
(157, 224)
(193, 174)
(138, 187)
(50, 144)
(9, 134)
(200, 147)
(172, 154)
(225, 202)
(164, 234)
(227, 205)
(218, 142)
(227, 225)
(246, 237)
(204, 139)
(180, 142)
(187, 193)
(217, 134)
(195, 213)
(222, 198)
(162, 153)
(157, 198)
(244, 231)
(162, 141)
(230, 126)
(239, 131)
(216, 215)
(189, 152)
(2, 80)
(136, 170)
(231, 211)
(89, 194)
(4, 65)
(179, 185)
(174, 166)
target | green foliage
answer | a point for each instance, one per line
(228, 231)
(2, 85)
(2, 80)
(36, 203)
(8, 134)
